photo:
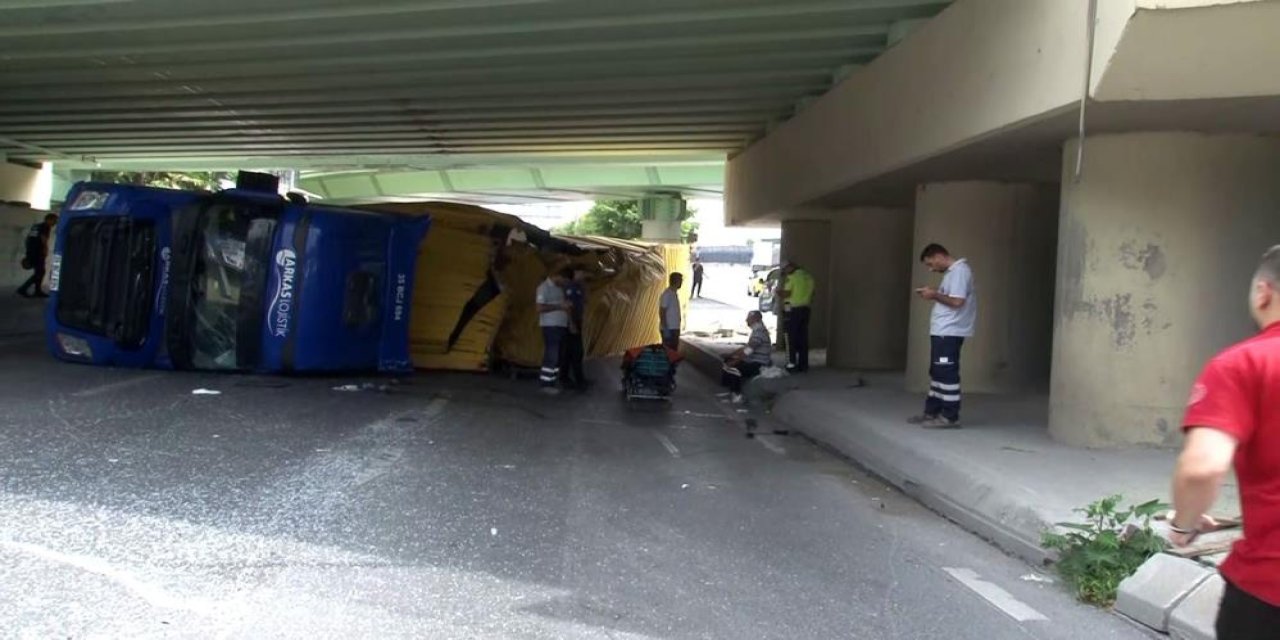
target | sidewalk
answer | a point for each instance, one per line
(1001, 476)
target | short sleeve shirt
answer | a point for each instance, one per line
(669, 304)
(957, 282)
(1236, 394)
(550, 293)
(760, 345)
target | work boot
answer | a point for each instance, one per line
(940, 423)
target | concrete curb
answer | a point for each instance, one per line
(1160, 586)
(976, 504)
(1168, 594)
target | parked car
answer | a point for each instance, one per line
(769, 291)
(759, 280)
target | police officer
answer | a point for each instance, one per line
(797, 296)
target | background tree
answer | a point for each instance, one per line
(620, 219)
(186, 180)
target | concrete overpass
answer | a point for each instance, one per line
(486, 100)
(970, 134)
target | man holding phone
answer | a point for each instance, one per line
(955, 313)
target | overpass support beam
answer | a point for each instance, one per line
(1007, 231)
(661, 218)
(1159, 237)
(808, 244)
(870, 281)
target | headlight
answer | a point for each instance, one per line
(75, 347)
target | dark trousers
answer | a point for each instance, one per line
(552, 340)
(36, 279)
(798, 338)
(572, 354)
(1244, 617)
(944, 377)
(697, 287)
(737, 375)
(671, 338)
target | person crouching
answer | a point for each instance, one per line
(747, 362)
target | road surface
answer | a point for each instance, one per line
(463, 507)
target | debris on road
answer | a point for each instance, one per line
(1035, 577)
(205, 392)
(367, 386)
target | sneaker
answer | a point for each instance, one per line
(24, 294)
(737, 398)
(921, 419)
(940, 423)
(550, 391)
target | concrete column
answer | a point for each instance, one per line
(871, 271)
(1008, 233)
(661, 218)
(1159, 238)
(20, 183)
(808, 243)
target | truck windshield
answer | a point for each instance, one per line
(106, 284)
(223, 247)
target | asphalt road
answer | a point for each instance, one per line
(462, 507)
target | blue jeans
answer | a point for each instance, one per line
(944, 377)
(552, 339)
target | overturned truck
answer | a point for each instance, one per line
(245, 280)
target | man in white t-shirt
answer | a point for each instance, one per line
(553, 317)
(669, 315)
(955, 312)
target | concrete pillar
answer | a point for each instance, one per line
(21, 183)
(808, 243)
(661, 218)
(1008, 233)
(1159, 238)
(871, 270)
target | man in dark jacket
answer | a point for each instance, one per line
(37, 252)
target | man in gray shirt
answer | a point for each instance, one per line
(746, 363)
(669, 314)
(553, 317)
(955, 312)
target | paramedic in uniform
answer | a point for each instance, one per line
(1233, 419)
(955, 312)
(553, 317)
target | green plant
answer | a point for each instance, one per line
(1096, 555)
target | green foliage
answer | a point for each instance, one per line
(189, 181)
(1096, 555)
(608, 218)
(619, 219)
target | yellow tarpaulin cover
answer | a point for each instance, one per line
(478, 270)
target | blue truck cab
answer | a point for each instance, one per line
(238, 280)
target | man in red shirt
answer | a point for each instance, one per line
(1233, 417)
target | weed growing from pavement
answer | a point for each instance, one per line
(1096, 555)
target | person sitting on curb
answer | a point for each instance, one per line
(746, 363)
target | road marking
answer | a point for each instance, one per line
(101, 389)
(770, 445)
(668, 444)
(152, 594)
(1003, 600)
